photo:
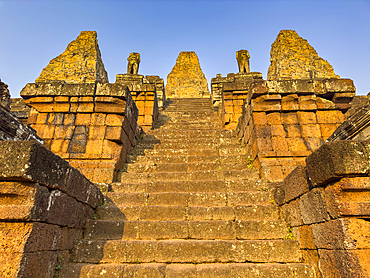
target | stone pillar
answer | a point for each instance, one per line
(93, 126)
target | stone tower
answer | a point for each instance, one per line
(186, 80)
(80, 63)
(292, 57)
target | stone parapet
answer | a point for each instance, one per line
(144, 93)
(326, 203)
(93, 126)
(44, 206)
(159, 88)
(284, 121)
(228, 94)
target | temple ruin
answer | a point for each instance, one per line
(186, 79)
(259, 178)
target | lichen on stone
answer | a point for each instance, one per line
(81, 62)
(186, 78)
(292, 57)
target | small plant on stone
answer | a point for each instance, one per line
(58, 266)
(290, 234)
(104, 203)
(250, 163)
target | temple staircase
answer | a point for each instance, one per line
(189, 204)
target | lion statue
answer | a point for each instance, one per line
(133, 63)
(242, 56)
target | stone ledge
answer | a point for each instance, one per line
(30, 161)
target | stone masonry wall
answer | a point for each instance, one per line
(44, 204)
(285, 121)
(326, 203)
(93, 126)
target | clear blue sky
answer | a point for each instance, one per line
(33, 32)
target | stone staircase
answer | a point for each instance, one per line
(188, 205)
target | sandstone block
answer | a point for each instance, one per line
(335, 160)
(330, 117)
(306, 237)
(290, 102)
(310, 130)
(292, 130)
(277, 130)
(344, 263)
(296, 183)
(30, 161)
(292, 213)
(324, 104)
(267, 103)
(313, 207)
(307, 102)
(259, 118)
(289, 118)
(344, 233)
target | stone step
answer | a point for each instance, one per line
(209, 151)
(186, 251)
(179, 133)
(184, 144)
(151, 139)
(185, 125)
(210, 186)
(175, 213)
(181, 167)
(204, 199)
(194, 229)
(222, 175)
(212, 270)
(236, 159)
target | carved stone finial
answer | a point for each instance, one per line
(242, 56)
(133, 63)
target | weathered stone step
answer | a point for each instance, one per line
(182, 125)
(151, 139)
(188, 145)
(204, 199)
(237, 159)
(182, 167)
(223, 175)
(167, 213)
(186, 251)
(192, 186)
(209, 151)
(178, 133)
(194, 229)
(215, 270)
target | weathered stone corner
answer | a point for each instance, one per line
(335, 160)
